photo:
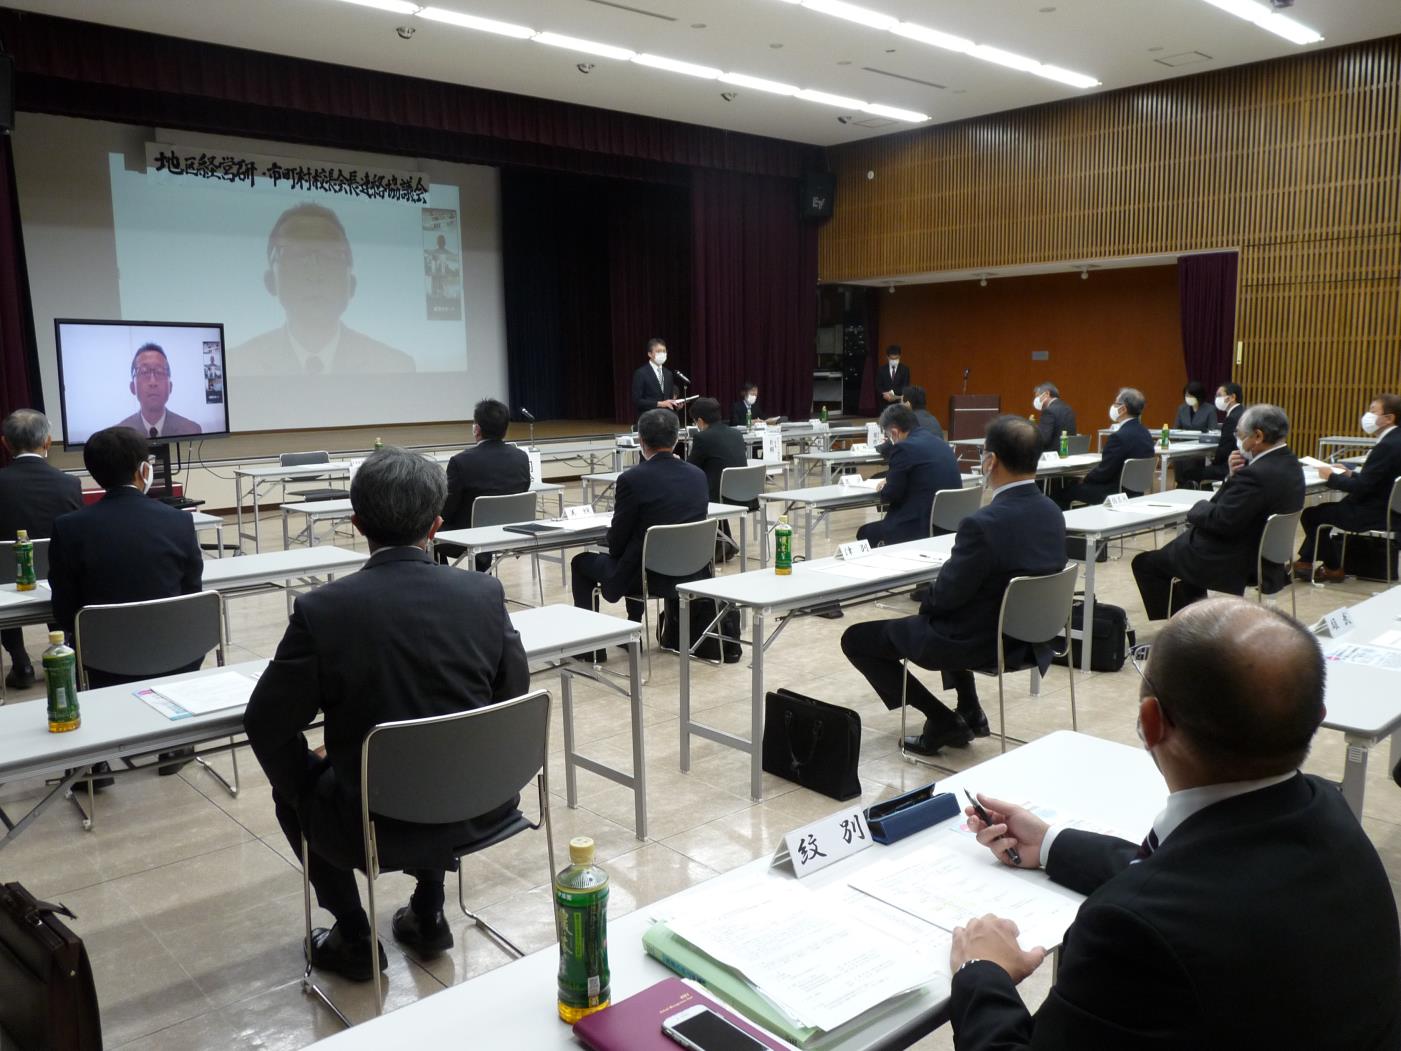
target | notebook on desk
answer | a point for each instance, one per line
(635, 1024)
(533, 528)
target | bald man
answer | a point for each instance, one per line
(1255, 913)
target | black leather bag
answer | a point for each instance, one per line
(814, 743)
(702, 611)
(1111, 634)
(47, 997)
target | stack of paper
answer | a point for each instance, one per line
(584, 522)
(882, 563)
(200, 696)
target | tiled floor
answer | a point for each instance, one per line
(189, 900)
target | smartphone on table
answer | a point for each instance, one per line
(701, 1029)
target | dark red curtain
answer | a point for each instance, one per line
(1206, 292)
(19, 358)
(753, 290)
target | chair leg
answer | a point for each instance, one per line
(1002, 707)
(231, 789)
(906, 754)
(1074, 718)
(309, 986)
(501, 939)
(371, 869)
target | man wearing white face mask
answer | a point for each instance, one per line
(1054, 417)
(1367, 492)
(1192, 475)
(124, 548)
(653, 384)
(747, 408)
(1130, 440)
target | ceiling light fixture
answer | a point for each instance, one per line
(672, 65)
(1281, 25)
(852, 13)
(588, 47)
(894, 112)
(743, 80)
(826, 99)
(486, 25)
(398, 7)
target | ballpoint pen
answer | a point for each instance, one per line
(986, 818)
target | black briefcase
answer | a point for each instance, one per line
(1366, 557)
(47, 998)
(1111, 634)
(811, 742)
(702, 613)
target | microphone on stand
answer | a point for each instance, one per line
(685, 380)
(531, 420)
(965, 380)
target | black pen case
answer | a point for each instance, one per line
(893, 819)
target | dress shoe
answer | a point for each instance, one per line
(975, 718)
(347, 957)
(1303, 570)
(21, 677)
(1330, 576)
(931, 741)
(179, 759)
(831, 611)
(427, 936)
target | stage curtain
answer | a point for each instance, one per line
(19, 358)
(754, 291)
(1206, 291)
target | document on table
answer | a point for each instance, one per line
(1383, 656)
(208, 693)
(798, 947)
(584, 522)
(1390, 639)
(1314, 462)
(948, 883)
(879, 564)
(10, 595)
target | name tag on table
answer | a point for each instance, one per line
(861, 448)
(817, 425)
(1116, 501)
(1337, 623)
(354, 464)
(627, 441)
(824, 842)
(536, 470)
(578, 511)
(855, 549)
(773, 446)
(873, 435)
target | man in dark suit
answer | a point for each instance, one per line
(1198, 472)
(1129, 441)
(1219, 547)
(920, 465)
(1368, 493)
(401, 639)
(1056, 417)
(124, 548)
(1019, 533)
(746, 410)
(151, 384)
(659, 490)
(917, 400)
(892, 378)
(714, 448)
(32, 495)
(1255, 913)
(653, 384)
(488, 468)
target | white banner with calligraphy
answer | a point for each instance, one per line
(252, 169)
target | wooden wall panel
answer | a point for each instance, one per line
(1296, 163)
(1131, 339)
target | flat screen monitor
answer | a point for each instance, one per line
(165, 379)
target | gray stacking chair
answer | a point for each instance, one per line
(741, 486)
(952, 506)
(440, 770)
(1077, 444)
(509, 509)
(1276, 545)
(1393, 511)
(305, 495)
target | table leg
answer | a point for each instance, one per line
(219, 539)
(1355, 772)
(807, 534)
(238, 507)
(257, 540)
(286, 531)
(683, 602)
(1087, 614)
(744, 543)
(756, 714)
(1162, 474)
(566, 703)
(639, 762)
(763, 534)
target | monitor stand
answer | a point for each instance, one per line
(163, 485)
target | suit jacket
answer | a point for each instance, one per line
(489, 468)
(272, 354)
(1226, 444)
(1263, 921)
(1369, 489)
(661, 491)
(124, 548)
(930, 423)
(919, 466)
(1219, 547)
(175, 425)
(1055, 418)
(1130, 442)
(897, 385)
(646, 392)
(1203, 418)
(1021, 532)
(714, 449)
(32, 494)
(739, 409)
(402, 638)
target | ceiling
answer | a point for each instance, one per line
(1120, 42)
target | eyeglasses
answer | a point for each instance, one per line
(148, 372)
(300, 256)
(1138, 657)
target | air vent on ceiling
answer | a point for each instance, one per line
(901, 76)
(635, 10)
(1183, 58)
(871, 122)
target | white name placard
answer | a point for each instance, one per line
(355, 463)
(578, 511)
(862, 448)
(1337, 623)
(817, 424)
(535, 466)
(1116, 500)
(773, 446)
(873, 434)
(824, 842)
(855, 549)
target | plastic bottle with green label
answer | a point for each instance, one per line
(25, 580)
(1064, 444)
(824, 414)
(1167, 436)
(61, 680)
(379, 444)
(581, 920)
(783, 547)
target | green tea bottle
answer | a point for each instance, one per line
(61, 679)
(581, 920)
(783, 547)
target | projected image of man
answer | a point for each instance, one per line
(311, 271)
(150, 382)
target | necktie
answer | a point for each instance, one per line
(1148, 846)
(314, 365)
(892, 371)
(155, 433)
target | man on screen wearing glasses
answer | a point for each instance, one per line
(311, 271)
(150, 382)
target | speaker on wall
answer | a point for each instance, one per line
(817, 190)
(7, 93)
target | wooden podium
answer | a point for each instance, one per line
(969, 416)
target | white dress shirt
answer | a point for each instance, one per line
(326, 355)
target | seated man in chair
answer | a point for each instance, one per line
(1130, 441)
(1019, 533)
(920, 465)
(1219, 547)
(403, 638)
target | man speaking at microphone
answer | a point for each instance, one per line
(653, 384)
